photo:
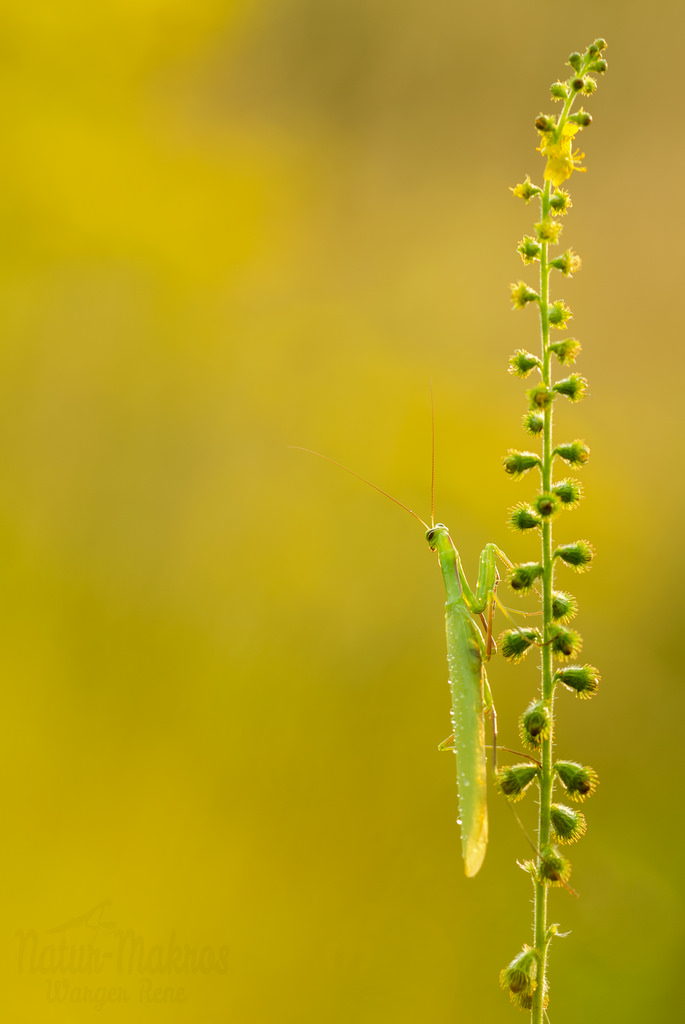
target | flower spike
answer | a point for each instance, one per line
(526, 978)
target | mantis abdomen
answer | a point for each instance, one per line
(467, 690)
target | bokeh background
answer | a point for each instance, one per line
(230, 227)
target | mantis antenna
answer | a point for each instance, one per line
(364, 480)
(432, 457)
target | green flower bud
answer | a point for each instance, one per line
(568, 264)
(577, 84)
(592, 50)
(522, 578)
(514, 644)
(566, 644)
(528, 249)
(526, 190)
(566, 350)
(522, 517)
(567, 825)
(569, 492)
(548, 230)
(589, 86)
(535, 725)
(572, 387)
(544, 123)
(522, 363)
(514, 780)
(601, 44)
(546, 505)
(564, 606)
(579, 781)
(560, 202)
(578, 555)
(575, 61)
(553, 869)
(517, 463)
(600, 66)
(558, 314)
(533, 423)
(521, 295)
(576, 454)
(540, 397)
(558, 91)
(582, 118)
(582, 679)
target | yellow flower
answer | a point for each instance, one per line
(526, 190)
(561, 160)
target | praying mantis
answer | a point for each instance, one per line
(468, 651)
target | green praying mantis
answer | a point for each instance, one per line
(468, 651)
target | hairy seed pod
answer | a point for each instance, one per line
(566, 351)
(546, 505)
(517, 463)
(518, 978)
(514, 644)
(553, 869)
(522, 363)
(578, 555)
(529, 250)
(535, 725)
(576, 453)
(566, 644)
(564, 606)
(521, 295)
(578, 780)
(569, 492)
(558, 314)
(583, 680)
(522, 517)
(514, 780)
(540, 397)
(533, 423)
(522, 577)
(573, 387)
(567, 824)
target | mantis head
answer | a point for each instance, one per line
(435, 533)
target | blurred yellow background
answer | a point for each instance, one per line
(229, 227)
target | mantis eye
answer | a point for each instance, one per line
(430, 536)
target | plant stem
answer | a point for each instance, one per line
(526, 975)
(540, 911)
(547, 776)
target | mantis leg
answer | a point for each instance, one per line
(487, 581)
(483, 601)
